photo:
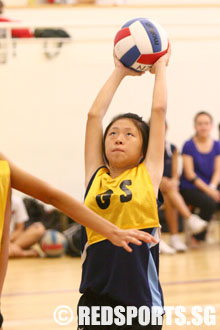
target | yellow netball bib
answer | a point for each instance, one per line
(4, 184)
(127, 201)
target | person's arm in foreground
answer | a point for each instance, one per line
(48, 194)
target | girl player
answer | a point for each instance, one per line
(123, 173)
(13, 177)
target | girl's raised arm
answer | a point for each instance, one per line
(94, 134)
(155, 153)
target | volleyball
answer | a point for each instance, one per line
(140, 43)
(53, 243)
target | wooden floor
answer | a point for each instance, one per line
(35, 287)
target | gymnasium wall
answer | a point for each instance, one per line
(44, 102)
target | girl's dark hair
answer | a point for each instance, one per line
(203, 113)
(141, 125)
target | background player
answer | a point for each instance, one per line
(13, 177)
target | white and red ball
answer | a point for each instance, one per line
(140, 43)
(53, 243)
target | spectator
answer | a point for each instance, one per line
(175, 203)
(23, 234)
(201, 170)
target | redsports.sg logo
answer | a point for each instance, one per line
(120, 315)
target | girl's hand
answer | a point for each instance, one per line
(124, 237)
(163, 60)
(123, 69)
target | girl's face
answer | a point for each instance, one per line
(203, 126)
(123, 144)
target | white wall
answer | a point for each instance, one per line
(44, 102)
